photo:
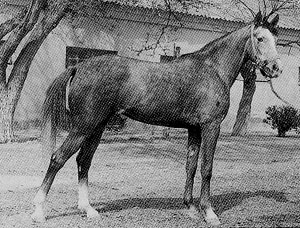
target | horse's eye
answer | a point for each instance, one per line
(260, 39)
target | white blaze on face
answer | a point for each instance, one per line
(267, 52)
(266, 44)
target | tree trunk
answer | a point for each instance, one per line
(281, 132)
(7, 109)
(240, 127)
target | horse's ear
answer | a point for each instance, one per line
(258, 18)
(275, 20)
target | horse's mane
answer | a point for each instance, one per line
(208, 46)
(215, 42)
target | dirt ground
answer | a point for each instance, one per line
(139, 182)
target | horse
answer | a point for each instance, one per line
(189, 92)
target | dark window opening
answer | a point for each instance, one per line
(168, 58)
(75, 55)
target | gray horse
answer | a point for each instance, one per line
(190, 92)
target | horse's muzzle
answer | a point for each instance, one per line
(271, 69)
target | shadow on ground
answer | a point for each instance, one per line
(227, 201)
(279, 218)
(221, 203)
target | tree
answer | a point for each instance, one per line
(36, 20)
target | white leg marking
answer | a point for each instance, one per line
(83, 201)
(211, 218)
(193, 212)
(38, 214)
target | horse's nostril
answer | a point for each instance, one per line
(275, 67)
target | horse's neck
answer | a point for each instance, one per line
(230, 56)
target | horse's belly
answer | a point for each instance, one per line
(159, 116)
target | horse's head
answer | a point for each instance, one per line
(263, 46)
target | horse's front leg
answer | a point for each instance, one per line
(210, 134)
(194, 141)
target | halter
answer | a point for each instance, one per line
(256, 62)
(255, 51)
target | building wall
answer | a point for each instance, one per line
(126, 35)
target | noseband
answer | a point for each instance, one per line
(257, 62)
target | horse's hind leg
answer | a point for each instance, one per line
(194, 141)
(70, 146)
(84, 160)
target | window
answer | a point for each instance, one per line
(166, 58)
(76, 55)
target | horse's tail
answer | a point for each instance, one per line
(55, 115)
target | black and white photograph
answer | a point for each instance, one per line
(149, 113)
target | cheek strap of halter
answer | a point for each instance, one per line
(256, 62)
(259, 64)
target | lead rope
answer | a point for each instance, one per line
(277, 95)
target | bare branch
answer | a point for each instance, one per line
(251, 10)
(14, 39)
(156, 44)
(11, 24)
(276, 7)
(265, 8)
(282, 4)
(45, 25)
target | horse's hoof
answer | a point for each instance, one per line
(211, 218)
(92, 213)
(38, 217)
(193, 212)
(89, 210)
(215, 222)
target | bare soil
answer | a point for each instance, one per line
(139, 182)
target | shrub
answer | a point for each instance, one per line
(282, 118)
